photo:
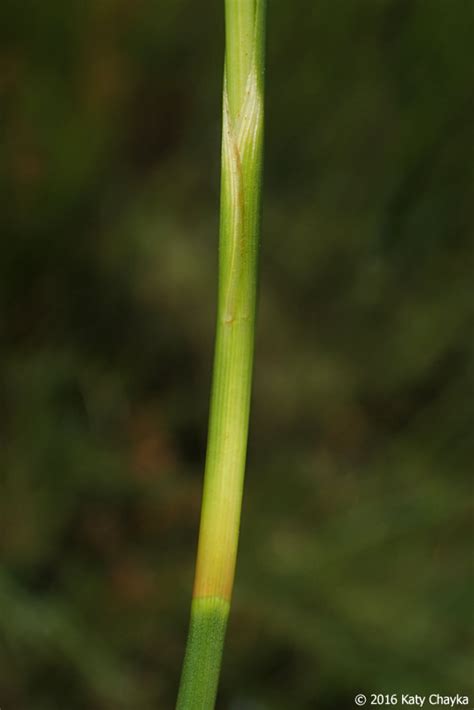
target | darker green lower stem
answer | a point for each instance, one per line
(202, 662)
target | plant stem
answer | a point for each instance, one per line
(233, 359)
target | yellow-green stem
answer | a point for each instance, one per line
(233, 360)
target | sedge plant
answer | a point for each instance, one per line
(242, 141)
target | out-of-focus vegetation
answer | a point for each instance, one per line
(354, 568)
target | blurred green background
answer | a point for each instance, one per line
(354, 571)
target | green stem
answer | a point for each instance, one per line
(233, 360)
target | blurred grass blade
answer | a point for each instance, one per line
(233, 361)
